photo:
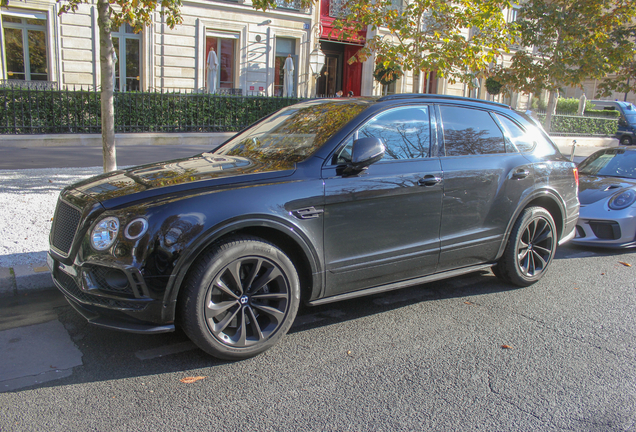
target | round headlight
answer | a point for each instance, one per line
(622, 199)
(136, 228)
(104, 233)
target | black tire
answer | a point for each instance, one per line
(626, 140)
(530, 248)
(240, 298)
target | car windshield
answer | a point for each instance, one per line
(294, 133)
(631, 118)
(615, 163)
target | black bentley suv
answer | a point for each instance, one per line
(321, 201)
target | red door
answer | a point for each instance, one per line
(352, 73)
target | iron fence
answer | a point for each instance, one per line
(34, 111)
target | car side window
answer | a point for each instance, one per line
(519, 137)
(406, 133)
(470, 132)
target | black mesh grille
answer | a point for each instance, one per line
(606, 230)
(109, 279)
(70, 287)
(65, 224)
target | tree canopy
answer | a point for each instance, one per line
(456, 39)
(566, 42)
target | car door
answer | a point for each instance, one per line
(485, 178)
(382, 225)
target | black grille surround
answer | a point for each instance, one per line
(606, 230)
(69, 287)
(65, 224)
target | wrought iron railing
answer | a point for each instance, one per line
(338, 8)
(289, 4)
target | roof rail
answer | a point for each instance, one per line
(437, 96)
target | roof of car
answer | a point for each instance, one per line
(438, 97)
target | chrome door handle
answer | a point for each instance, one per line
(429, 180)
(521, 174)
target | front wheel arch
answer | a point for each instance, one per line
(297, 247)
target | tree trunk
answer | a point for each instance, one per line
(417, 82)
(550, 110)
(106, 51)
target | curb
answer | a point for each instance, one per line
(22, 278)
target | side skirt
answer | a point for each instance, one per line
(401, 284)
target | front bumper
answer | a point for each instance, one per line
(617, 232)
(127, 307)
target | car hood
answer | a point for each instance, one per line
(201, 171)
(596, 188)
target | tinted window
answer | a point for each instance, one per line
(519, 137)
(294, 133)
(406, 132)
(470, 132)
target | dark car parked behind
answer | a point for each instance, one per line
(321, 201)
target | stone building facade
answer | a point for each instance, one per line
(251, 46)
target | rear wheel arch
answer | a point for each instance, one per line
(544, 199)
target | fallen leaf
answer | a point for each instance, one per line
(53, 367)
(190, 380)
(602, 274)
(349, 354)
(625, 264)
(576, 287)
(506, 347)
(467, 302)
(50, 181)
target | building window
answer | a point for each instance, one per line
(25, 48)
(127, 46)
(225, 48)
(285, 48)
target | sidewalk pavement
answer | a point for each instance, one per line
(21, 279)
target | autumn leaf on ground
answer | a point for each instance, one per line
(625, 264)
(468, 302)
(190, 380)
(506, 347)
(349, 353)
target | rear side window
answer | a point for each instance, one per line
(519, 137)
(530, 139)
(470, 132)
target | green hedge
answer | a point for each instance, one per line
(24, 111)
(581, 125)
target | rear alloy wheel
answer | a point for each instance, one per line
(530, 248)
(240, 298)
(626, 140)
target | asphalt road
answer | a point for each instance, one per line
(88, 156)
(465, 354)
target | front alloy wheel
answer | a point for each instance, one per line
(530, 249)
(240, 298)
(247, 301)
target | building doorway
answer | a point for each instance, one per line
(337, 74)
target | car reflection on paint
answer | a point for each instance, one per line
(607, 193)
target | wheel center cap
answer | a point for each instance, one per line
(243, 300)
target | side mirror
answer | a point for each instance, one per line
(365, 152)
